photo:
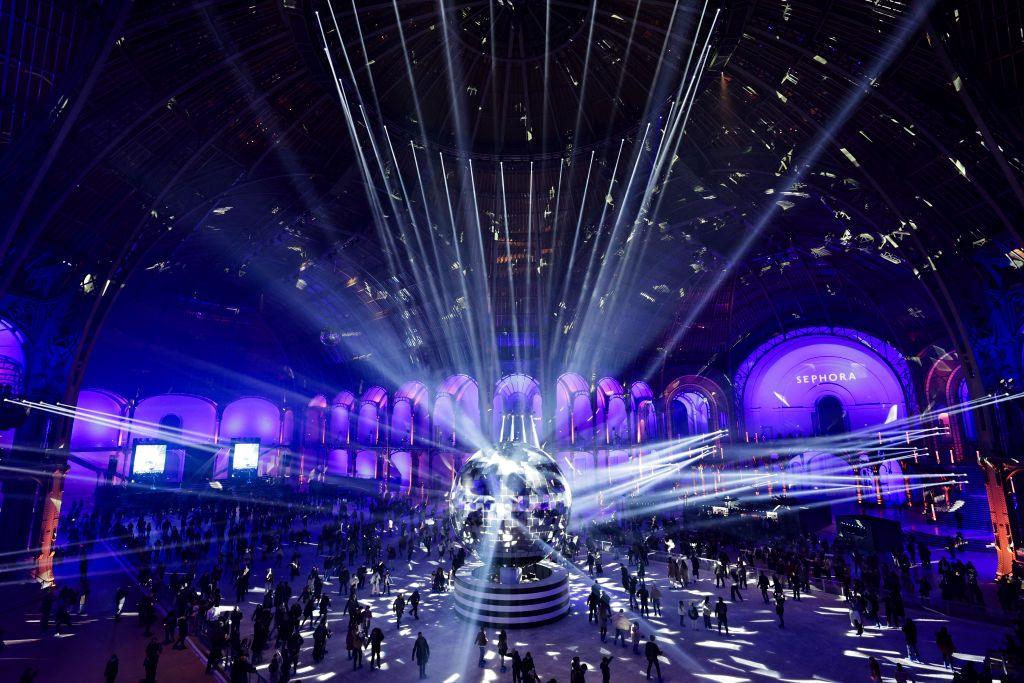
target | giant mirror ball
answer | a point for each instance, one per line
(510, 503)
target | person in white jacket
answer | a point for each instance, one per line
(622, 627)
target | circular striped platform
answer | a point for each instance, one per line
(521, 605)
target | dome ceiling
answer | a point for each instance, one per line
(512, 78)
(212, 152)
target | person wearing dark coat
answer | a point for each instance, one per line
(517, 667)
(110, 670)
(421, 653)
(241, 667)
(910, 636)
(652, 651)
(151, 660)
(944, 641)
(376, 639)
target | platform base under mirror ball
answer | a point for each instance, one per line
(539, 596)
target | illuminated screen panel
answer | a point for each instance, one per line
(150, 458)
(245, 456)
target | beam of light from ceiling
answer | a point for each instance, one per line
(583, 79)
(918, 13)
(573, 249)
(579, 312)
(448, 311)
(428, 282)
(478, 359)
(395, 374)
(485, 330)
(513, 306)
(419, 260)
(630, 267)
(620, 279)
(482, 283)
(485, 551)
(595, 238)
(550, 317)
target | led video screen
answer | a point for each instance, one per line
(245, 456)
(149, 458)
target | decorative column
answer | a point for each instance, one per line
(1000, 488)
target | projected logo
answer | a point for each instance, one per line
(822, 377)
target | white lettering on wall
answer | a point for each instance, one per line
(832, 377)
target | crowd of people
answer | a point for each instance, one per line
(197, 560)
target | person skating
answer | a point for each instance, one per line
(734, 587)
(481, 642)
(577, 671)
(655, 599)
(502, 648)
(517, 667)
(421, 653)
(111, 668)
(151, 660)
(602, 621)
(414, 604)
(652, 651)
(694, 613)
(763, 583)
(357, 649)
(592, 602)
(722, 615)
(910, 636)
(874, 670)
(780, 609)
(320, 636)
(944, 641)
(240, 669)
(376, 639)
(606, 669)
(622, 627)
(642, 595)
(399, 607)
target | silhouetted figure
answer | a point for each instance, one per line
(110, 670)
(153, 650)
(652, 651)
(421, 653)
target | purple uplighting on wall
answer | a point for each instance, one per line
(785, 382)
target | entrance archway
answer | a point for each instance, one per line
(829, 416)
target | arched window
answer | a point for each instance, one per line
(642, 413)
(574, 415)
(517, 394)
(694, 405)
(12, 369)
(679, 418)
(12, 358)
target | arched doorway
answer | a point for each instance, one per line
(830, 416)
(779, 385)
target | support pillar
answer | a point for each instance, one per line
(999, 487)
(33, 487)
